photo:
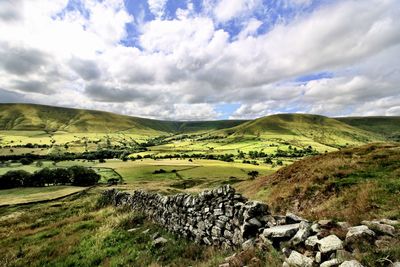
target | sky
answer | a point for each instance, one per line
(203, 59)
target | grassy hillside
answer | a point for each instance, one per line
(350, 184)
(31, 117)
(388, 127)
(318, 128)
(76, 231)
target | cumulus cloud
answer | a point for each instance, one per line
(105, 93)
(157, 7)
(226, 10)
(184, 66)
(87, 69)
(21, 61)
(31, 86)
(9, 10)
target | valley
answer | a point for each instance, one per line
(315, 166)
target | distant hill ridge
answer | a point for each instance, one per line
(49, 118)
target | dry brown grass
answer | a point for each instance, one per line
(352, 183)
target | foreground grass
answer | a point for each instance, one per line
(77, 232)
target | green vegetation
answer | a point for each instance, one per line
(74, 175)
(77, 231)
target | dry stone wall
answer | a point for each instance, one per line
(220, 216)
(224, 217)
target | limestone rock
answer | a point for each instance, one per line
(352, 263)
(297, 259)
(311, 242)
(359, 233)
(390, 222)
(315, 227)
(330, 263)
(280, 231)
(293, 218)
(254, 221)
(302, 234)
(318, 257)
(380, 227)
(248, 244)
(330, 243)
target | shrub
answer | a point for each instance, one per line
(159, 171)
(82, 176)
(13, 179)
(26, 161)
(253, 174)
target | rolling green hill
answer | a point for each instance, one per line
(30, 117)
(388, 127)
(318, 128)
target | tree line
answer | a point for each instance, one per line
(75, 175)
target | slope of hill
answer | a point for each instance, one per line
(351, 184)
(318, 128)
(388, 127)
(48, 118)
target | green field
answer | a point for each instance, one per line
(33, 194)
(182, 174)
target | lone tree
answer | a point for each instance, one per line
(253, 174)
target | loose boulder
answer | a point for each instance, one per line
(281, 231)
(330, 243)
(302, 234)
(380, 227)
(359, 234)
(352, 263)
(297, 259)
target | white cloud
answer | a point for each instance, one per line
(297, 2)
(186, 65)
(250, 28)
(226, 10)
(157, 7)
